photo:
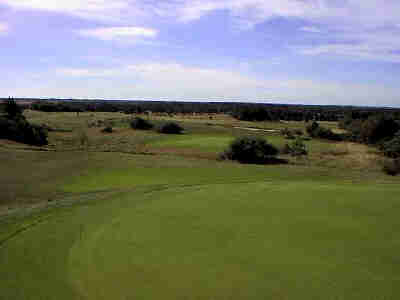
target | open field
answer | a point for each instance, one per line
(140, 215)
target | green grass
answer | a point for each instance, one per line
(223, 231)
(104, 223)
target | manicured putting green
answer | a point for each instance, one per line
(257, 240)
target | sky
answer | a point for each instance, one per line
(344, 52)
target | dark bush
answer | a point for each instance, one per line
(251, 150)
(312, 128)
(391, 148)
(170, 128)
(391, 167)
(22, 131)
(107, 129)
(287, 133)
(376, 129)
(316, 131)
(298, 132)
(12, 109)
(142, 124)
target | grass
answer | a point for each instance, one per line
(257, 233)
(174, 226)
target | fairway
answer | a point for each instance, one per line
(167, 228)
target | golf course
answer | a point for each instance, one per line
(142, 215)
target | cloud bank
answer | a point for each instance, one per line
(173, 81)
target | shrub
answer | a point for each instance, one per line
(298, 132)
(107, 129)
(392, 148)
(170, 128)
(286, 149)
(12, 109)
(314, 130)
(296, 148)
(142, 124)
(22, 131)
(391, 167)
(252, 150)
(287, 133)
(83, 139)
(376, 129)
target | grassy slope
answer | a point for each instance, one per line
(126, 226)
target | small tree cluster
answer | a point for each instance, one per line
(12, 109)
(391, 148)
(317, 131)
(373, 130)
(15, 127)
(170, 128)
(392, 167)
(141, 124)
(22, 131)
(251, 150)
(291, 134)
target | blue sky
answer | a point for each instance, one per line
(286, 51)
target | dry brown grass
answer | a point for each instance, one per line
(346, 155)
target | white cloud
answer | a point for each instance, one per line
(376, 45)
(356, 51)
(310, 29)
(367, 12)
(3, 28)
(119, 33)
(92, 9)
(174, 80)
(347, 23)
(179, 82)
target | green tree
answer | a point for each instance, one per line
(12, 109)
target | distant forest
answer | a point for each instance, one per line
(242, 111)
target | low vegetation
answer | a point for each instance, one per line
(15, 127)
(391, 148)
(392, 166)
(141, 124)
(170, 128)
(295, 148)
(291, 134)
(107, 129)
(317, 131)
(251, 150)
(373, 130)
